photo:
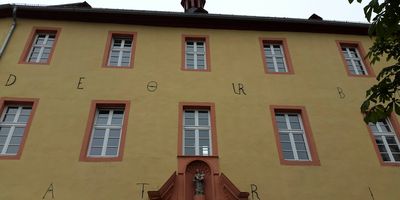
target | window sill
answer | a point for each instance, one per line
(301, 162)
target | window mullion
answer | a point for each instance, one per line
(292, 143)
(196, 142)
(42, 46)
(17, 114)
(195, 55)
(274, 57)
(106, 136)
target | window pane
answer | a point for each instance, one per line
(378, 140)
(298, 137)
(302, 155)
(204, 142)
(115, 133)
(19, 131)
(385, 157)
(396, 157)
(284, 137)
(15, 140)
(300, 146)
(288, 155)
(12, 149)
(204, 133)
(4, 130)
(99, 133)
(12, 110)
(189, 133)
(101, 120)
(391, 140)
(2, 140)
(95, 151)
(117, 121)
(189, 121)
(23, 118)
(204, 150)
(286, 146)
(97, 142)
(26, 111)
(382, 148)
(189, 142)
(9, 118)
(113, 143)
(112, 151)
(203, 121)
(394, 148)
(189, 151)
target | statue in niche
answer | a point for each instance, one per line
(198, 181)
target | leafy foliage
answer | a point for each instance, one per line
(384, 97)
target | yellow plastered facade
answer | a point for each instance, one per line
(247, 149)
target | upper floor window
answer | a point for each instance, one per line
(196, 54)
(120, 49)
(105, 135)
(40, 47)
(353, 58)
(294, 138)
(276, 56)
(15, 120)
(386, 140)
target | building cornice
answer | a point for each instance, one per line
(188, 20)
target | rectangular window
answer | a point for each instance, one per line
(197, 132)
(293, 136)
(353, 58)
(386, 140)
(15, 120)
(276, 56)
(196, 55)
(105, 134)
(40, 46)
(12, 127)
(119, 49)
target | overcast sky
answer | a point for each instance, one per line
(339, 10)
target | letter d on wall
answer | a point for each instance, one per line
(11, 80)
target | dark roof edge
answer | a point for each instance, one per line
(176, 19)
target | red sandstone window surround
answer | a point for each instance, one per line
(354, 60)
(293, 135)
(40, 46)
(197, 134)
(196, 53)
(120, 49)
(106, 128)
(276, 56)
(15, 121)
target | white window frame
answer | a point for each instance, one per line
(120, 50)
(107, 127)
(197, 128)
(14, 124)
(354, 59)
(382, 134)
(195, 54)
(274, 56)
(290, 131)
(41, 46)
